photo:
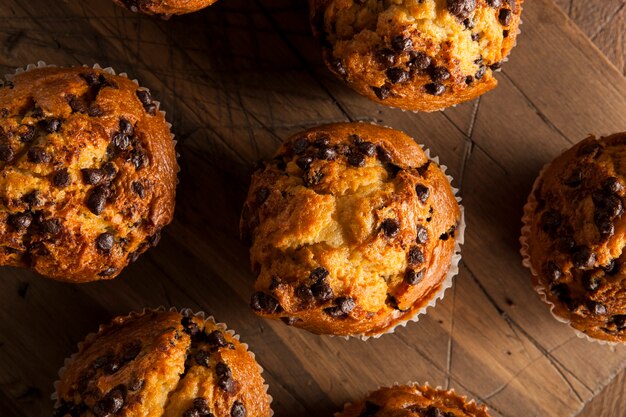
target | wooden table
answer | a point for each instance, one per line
(237, 78)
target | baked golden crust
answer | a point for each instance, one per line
(88, 173)
(352, 230)
(576, 236)
(164, 8)
(162, 364)
(413, 401)
(421, 55)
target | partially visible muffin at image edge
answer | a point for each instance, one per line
(413, 401)
(162, 363)
(88, 173)
(352, 229)
(574, 236)
(422, 55)
(164, 8)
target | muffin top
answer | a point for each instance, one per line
(413, 401)
(88, 172)
(417, 54)
(164, 8)
(576, 234)
(352, 230)
(162, 364)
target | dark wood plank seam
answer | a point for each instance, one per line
(469, 148)
(450, 339)
(608, 20)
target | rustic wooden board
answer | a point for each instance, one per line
(238, 77)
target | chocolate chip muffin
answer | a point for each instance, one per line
(162, 363)
(574, 236)
(352, 228)
(164, 8)
(413, 401)
(421, 55)
(88, 172)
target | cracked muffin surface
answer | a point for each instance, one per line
(422, 55)
(575, 234)
(352, 230)
(413, 401)
(164, 8)
(162, 364)
(88, 173)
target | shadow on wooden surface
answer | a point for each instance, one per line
(235, 79)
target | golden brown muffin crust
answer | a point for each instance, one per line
(577, 236)
(352, 230)
(162, 364)
(87, 173)
(164, 8)
(413, 401)
(421, 55)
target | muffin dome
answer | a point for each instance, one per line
(164, 8)
(413, 401)
(88, 172)
(162, 364)
(352, 230)
(421, 55)
(575, 233)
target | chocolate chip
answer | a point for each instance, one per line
(480, 73)
(494, 3)
(299, 146)
(61, 178)
(110, 404)
(112, 366)
(386, 57)
(38, 155)
(304, 293)
(328, 154)
(590, 148)
(382, 92)
(146, 100)
(612, 185)
(51, 227)
(390, 227)
(416, 256)
(224, 376)
(337, 65)
(496, 66)
(108, 272)
(346, 304)
(400, 43)
(322, 291)
(304, 162)
(611, 205)
(104, 242)
(596, 308)
(606, 228)
(412, 277)
(367, 148)
(321, 140)
(397, 75)
(28, 135)
(432, 411)
(438, 74)
(612, 268)
(53, 125)
(20, 221)
(318, 274)
(461, 8)
(120, 141)
(550, 221)
(202, 358)
(552, 271)
(97, 199)
(504, 16)
(435, 89)
(138, 158)
(289, 321)
(191, 412)
(469, 79)
(138, 189)
(94, 110)
(583, 258)
(202, 405)
(264, 303)
(419, 61)
(189, 326)
(216, 338)
(590, 282)
(130, 351)
(135, 384)
(469, 24)
(619, 320)
(126, 127)
(423, 192)
(6, 153)
(92, 176)
(32, 198)
(238, 409)
(422, 234)
(383, 155)
(356, 159)
(505, 33)
(575, 178)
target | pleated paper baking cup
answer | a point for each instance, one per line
(448, 397)
(529, 209)
(438, 292)
(92, 338)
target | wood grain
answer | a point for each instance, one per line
(235, 79)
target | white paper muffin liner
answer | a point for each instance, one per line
(529, 209)
(110, 71)
(471, 403)
(459, 239)
(88, 340)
